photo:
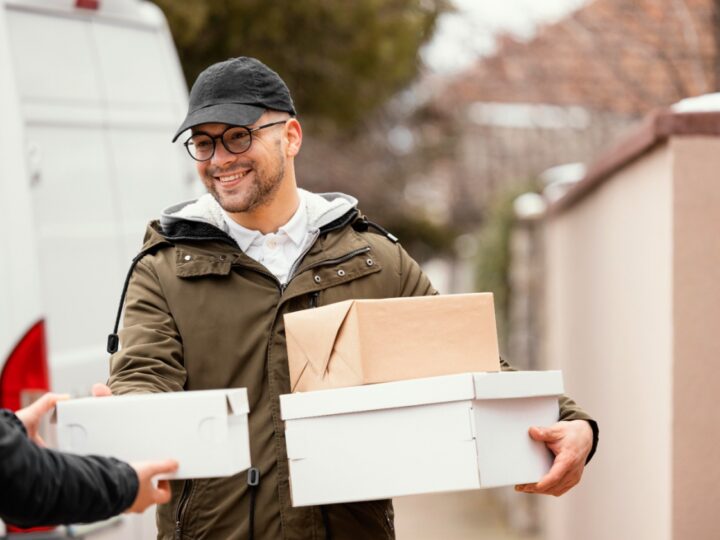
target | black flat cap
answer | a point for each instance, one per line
(236, 92)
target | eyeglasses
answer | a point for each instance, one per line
(235, 139)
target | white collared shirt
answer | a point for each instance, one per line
(276, 251)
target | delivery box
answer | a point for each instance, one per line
(360, 342)
(449, 433)
(206, 431)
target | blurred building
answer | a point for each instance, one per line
(560, 97)
(630, 312)
(610, 287)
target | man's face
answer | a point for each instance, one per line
(244, 182)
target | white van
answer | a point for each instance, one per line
(91, 92)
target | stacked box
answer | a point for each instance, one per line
(448, 433)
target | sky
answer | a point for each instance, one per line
(463, 36)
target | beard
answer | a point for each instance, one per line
(248, 196)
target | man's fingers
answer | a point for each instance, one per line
(570, 442)
(562, 487)
(570, 482)
(101, 390)
(554, 476)
(545, 434)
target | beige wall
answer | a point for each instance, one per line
(696, 426)
(609, 327)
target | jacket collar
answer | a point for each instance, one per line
(322, 209)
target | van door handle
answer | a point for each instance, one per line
(34, 163)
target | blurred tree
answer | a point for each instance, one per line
(342, 60)
(492, 270)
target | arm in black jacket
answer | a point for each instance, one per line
(39, 486)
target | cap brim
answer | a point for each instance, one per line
(236, 114)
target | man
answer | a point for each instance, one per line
(208, 292)
(44, 487)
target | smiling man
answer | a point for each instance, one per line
(207, 295)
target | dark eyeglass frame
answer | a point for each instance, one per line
(249, 131)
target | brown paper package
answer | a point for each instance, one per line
(358, 342)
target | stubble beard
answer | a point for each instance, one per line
(259, 193)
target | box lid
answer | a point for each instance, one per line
(233, 400)
(463, 386)
(515, 384)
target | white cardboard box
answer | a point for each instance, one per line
(448, 433)
(206, 431)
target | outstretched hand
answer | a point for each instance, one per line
(571, 443)
(149, 494)
(31, 415)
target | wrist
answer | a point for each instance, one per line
(14, 419)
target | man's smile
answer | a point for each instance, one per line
(233, 177)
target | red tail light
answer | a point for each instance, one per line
(24, 378)
(25, 374)
(87, 4)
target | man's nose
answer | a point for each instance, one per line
(221, 156)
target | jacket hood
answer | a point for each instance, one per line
(322, 209)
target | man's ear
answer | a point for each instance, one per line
(294, 137)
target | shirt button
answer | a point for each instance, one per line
(188, 257)
(272, 243)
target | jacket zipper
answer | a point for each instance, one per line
(182, 503)
(299, 259)
(322, 230)
(388, 519)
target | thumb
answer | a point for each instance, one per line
(543, 434)
(162, 493)
(101, 390)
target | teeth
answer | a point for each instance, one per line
(232, 177)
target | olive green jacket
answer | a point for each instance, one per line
(201, 314)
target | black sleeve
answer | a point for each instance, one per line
(39, 486)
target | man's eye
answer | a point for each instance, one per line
(236, 136)
(203, 144)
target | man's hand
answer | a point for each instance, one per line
(148, 494)
(100, 390)
(571, 443)
(31, 415)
